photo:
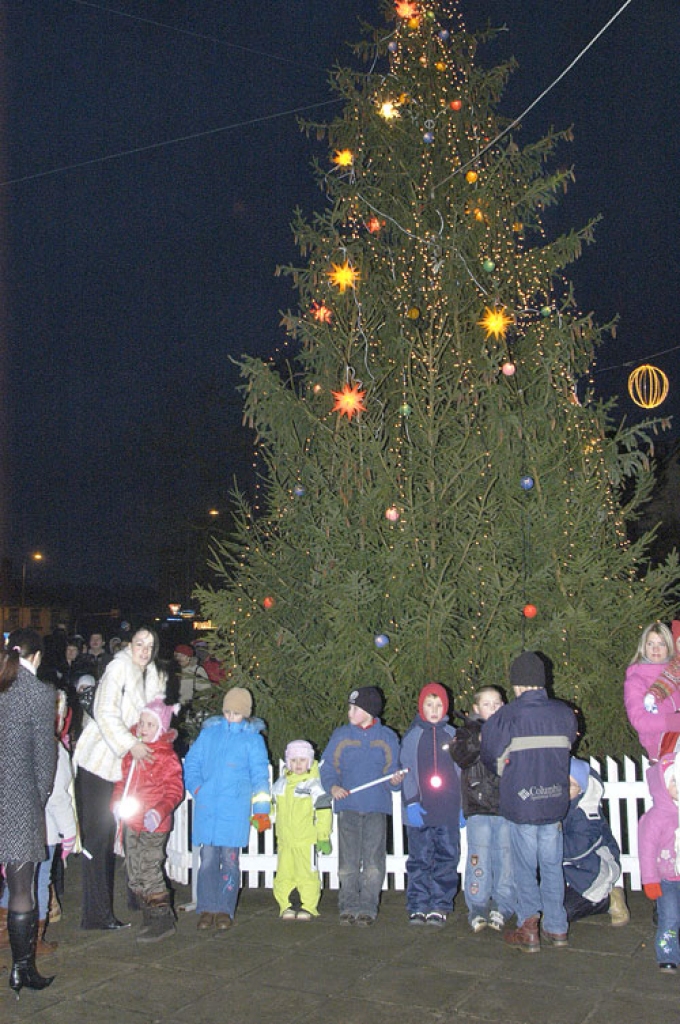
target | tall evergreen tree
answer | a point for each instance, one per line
(440, 493)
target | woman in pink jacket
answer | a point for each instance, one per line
(649, 692)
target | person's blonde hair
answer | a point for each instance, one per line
(662, 630)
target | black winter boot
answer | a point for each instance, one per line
(23, 934)
(161, 919)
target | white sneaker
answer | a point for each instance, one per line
(288, 914)
(478, 924)
(496, 921)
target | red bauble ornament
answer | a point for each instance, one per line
(268, 603)
(456, 104)
(530, 611)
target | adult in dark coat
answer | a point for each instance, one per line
(28, 757)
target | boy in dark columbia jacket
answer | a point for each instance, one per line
(528, 744)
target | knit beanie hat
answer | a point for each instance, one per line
(580, 770)
(185, 649)
(299, 748)
(436, 690)
(162, 712)
(369, 699)
(527, 670)
(239, 701)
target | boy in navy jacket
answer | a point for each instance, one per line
(356, 753)
(528, 744)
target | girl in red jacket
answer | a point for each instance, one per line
(143, 802)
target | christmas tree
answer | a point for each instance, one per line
(442, 489)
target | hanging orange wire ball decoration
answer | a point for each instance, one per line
(648, 386)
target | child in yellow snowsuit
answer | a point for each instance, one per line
(302, 830)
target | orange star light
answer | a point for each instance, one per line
(343, 157)
(405, 9)
(349, 401)
(343, 276)
(321, 312)
(495, 322)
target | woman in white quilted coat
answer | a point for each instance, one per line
(130, 681)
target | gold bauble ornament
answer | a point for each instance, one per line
(648, 386)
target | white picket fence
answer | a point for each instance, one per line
(626, 797)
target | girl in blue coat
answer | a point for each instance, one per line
(227, 773)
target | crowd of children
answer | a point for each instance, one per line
(538, 846)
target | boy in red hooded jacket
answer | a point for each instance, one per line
(143, 802)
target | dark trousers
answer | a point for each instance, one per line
(97, 832)
(578, 906)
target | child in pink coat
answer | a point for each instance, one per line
(659, 843)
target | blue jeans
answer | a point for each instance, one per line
(538, 849)
(219, 877)
(432, 868)
(489, 882)
(362, 851)
(668, 910)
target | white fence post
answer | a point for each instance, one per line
(624, 801)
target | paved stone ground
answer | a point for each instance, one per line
(265, 970)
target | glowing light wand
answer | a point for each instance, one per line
(376, 782)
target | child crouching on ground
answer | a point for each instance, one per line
(301, 832)
(489, 886)
(227, 772)
(143, 801)
(659, 841)
(431, 792)
(592, 859)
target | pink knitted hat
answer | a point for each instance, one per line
(299, 748)
(163, 712)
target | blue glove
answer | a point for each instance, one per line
(415, 814)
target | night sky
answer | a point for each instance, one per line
(133, 269)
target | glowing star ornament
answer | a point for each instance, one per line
(321, 312)
(343, 157)
(406, 9)
(350, 401)
(389, 110)
(343, 276)
(495, 322)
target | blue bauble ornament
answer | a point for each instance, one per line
(392, 46)
(428, 137)
(381, 640)
(526, 482)
(299, 491)
(444, 34)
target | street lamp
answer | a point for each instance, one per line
(35, 556)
